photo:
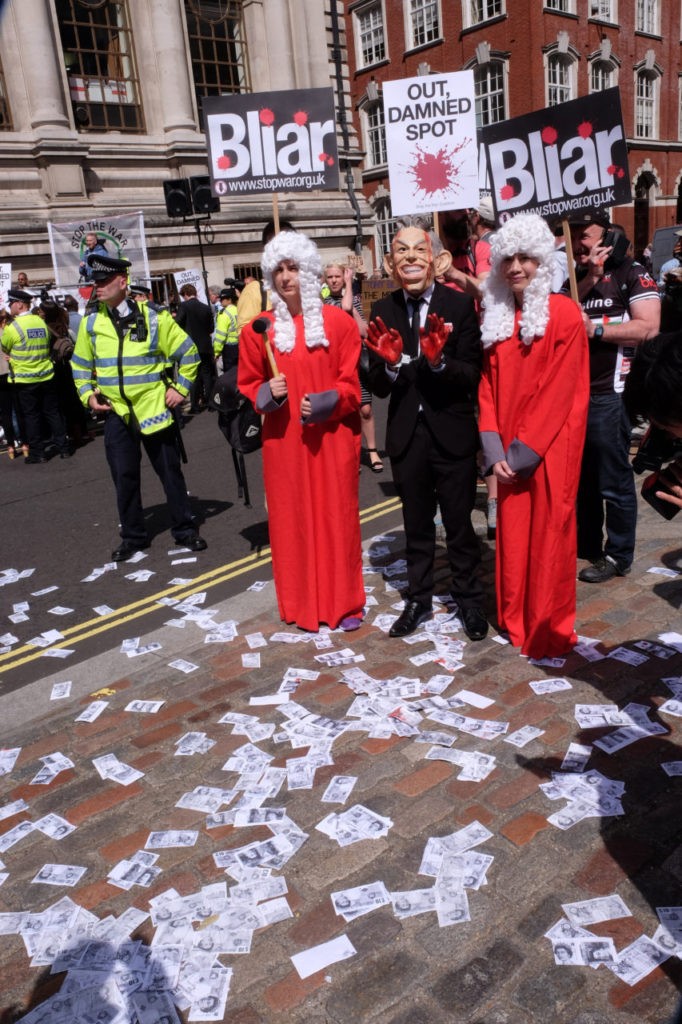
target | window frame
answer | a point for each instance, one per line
(601, 62)
(556, 57)
(410, 42)
(501, 64)
(358, 13)
(611, 18)
(469, 18)
(651, 75)
(374, 135)
(569, 6)
(648, 11)
(104, 83)
(208, 39)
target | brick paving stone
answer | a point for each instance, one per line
(495, 969)
(524, 828)
(424, 779)
(463, 989)
(291, 991)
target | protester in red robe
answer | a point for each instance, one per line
(311, 438)
(533, 400)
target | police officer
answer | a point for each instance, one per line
(119, 367)
(26, 342)
(226, 337)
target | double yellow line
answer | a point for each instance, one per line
(103, 623)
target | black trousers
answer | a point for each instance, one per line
(207, 374)
(39, 403)
(427, 477)
(123, 447)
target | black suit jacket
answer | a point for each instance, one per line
(447, 398)
(196, 318)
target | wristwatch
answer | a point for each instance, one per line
(599, 333)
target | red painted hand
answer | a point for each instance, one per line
(387, 344)
(432, 338)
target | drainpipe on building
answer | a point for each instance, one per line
(343, 122)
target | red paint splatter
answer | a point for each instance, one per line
(620, 173)
(611, 169)
(549, 135)
(300, 117)
(507, 192)
(266, 116)
(436, 172)
(585, 129)
(224, 163)
(330, 161)
(322, 158)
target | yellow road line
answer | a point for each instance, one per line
(136, 609)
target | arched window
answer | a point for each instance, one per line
(97, 44)
(560, 78)
(386, 227)
(603, 75)
(647, 83)
(489, 85)
(217, 47)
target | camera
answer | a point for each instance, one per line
(657, 447)
(619, 244)
(664, 481)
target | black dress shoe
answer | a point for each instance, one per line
(32, 460)
(194, 543)
(602, 570)
(412, 614)
(474, 622)
(126, 550)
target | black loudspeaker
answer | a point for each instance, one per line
(203, 199)
(178, 197)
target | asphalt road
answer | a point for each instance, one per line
(59, 519)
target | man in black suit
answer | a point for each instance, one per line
(196, 318)
(426, 354)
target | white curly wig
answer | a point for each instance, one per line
(526, 233)
(301, 250)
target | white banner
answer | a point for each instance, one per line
(431, 142)
(191, 277)
(5, 283)
(122, 236)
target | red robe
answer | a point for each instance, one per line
(311, 473)
(539, 394)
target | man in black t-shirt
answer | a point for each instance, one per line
(621, 308)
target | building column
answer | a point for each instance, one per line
(173, 65)
(40, 53)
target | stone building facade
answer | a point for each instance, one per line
(527, 55)
(101, 103)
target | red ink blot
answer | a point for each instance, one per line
(330, 161)
(585, 129)
(611, 169)
(322, 158)
(549, 136)
(224, 163)
(266, 116)
(507, 192)
(620, 173)
(436, 172)
(300, 117)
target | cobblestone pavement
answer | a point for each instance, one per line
(497, 968)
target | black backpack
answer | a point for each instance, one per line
(237, 419)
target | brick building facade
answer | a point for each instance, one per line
(527, 55)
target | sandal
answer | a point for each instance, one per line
(376, 465)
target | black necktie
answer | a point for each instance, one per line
(415, 324)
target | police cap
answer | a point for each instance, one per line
(102, 266)
(18, 295)
(227, 293)
(139, 288)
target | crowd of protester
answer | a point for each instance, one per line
(544, 376)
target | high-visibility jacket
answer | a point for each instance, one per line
(26, 341)
(226, 330)
(133, 374)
